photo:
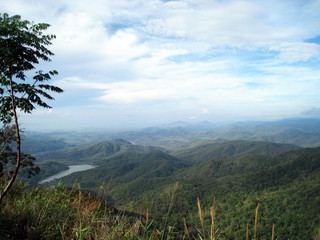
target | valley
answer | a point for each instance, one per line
(238, 172)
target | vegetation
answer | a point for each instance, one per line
(43, 145)
(22, 45)
(233, 149)
(284, 182)
(284, 211)
(59, 213)
(8, 156)
(93, 153)
(48, 168)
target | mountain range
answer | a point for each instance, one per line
(283, 178)
(175, 165)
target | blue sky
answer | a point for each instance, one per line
(130, 63)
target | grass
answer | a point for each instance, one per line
(61, 213)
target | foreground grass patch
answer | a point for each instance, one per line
(59, 213)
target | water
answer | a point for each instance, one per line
(72, 169)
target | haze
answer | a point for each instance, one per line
(130, 63)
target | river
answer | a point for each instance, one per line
(72, 169)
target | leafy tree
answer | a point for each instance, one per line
(8, 156)
(22, 45)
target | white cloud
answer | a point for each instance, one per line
(299, 51)
(205, 111)
(43, 112)
(205, 57)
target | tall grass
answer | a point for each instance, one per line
(61, 213)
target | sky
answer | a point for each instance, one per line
(137, 63)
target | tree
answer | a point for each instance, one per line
(8, 156)
(23, 45)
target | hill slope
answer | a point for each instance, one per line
(233, 149)
(92, 153)
(286, 186)
(134, 171)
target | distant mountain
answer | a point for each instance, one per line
(93, 152)
(32, 146)
(298, 131)
(197, 126)
(181, 135)
(176, 124)
(233, 149)
(166, 132)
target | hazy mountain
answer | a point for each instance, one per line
(197, 126)
(233, 149)
(93, 152)
(181, 135)
(302, 132)
(32, 146)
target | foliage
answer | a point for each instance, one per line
(8, 157)
(285, 185)
(22, 45)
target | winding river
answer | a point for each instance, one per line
(72, 169)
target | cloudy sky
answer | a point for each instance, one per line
(128, 63)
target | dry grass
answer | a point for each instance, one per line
(256, 222)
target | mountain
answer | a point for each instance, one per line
(232, 149)
(198, 126)
(298, 131)
(129, 173)
(284, 179)
(95, 152)
(47, 169)
(32, 146)
(180, 135)
(285, 182)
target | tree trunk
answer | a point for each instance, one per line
(18, 141)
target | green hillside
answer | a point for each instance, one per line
(33, 146)
(285, 183)
(233, 149)
(287, 188)
(47, 169)
(133, 171)
(95, 152)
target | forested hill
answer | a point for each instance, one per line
(283, 178)
(285, 182)
(233, 149)
(95, 152)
